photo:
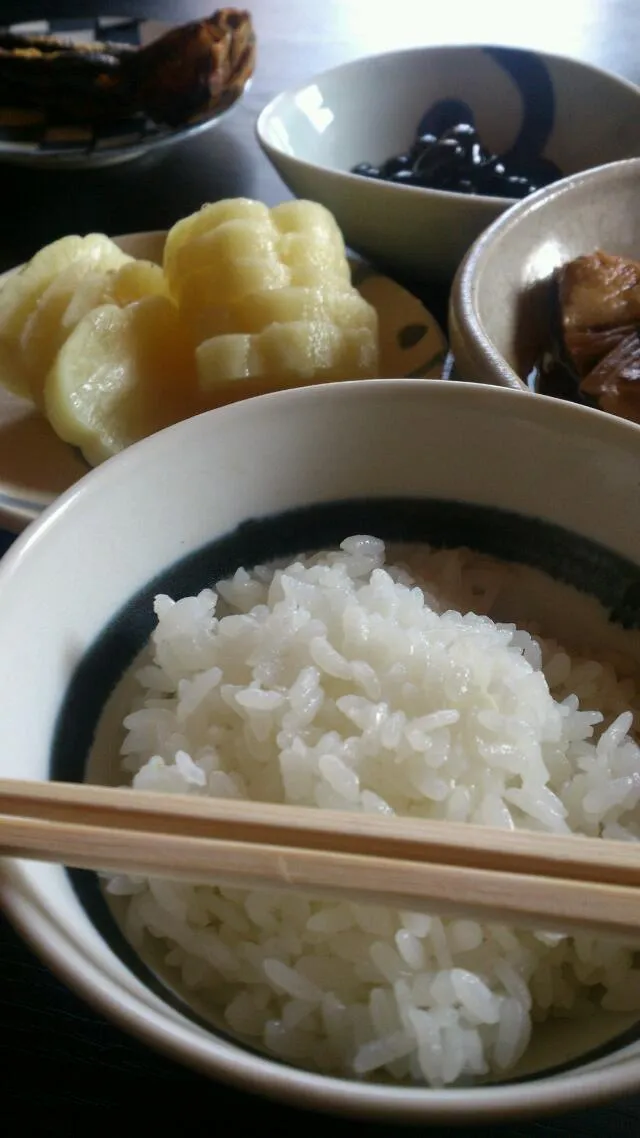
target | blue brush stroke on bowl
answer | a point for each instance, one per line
(535, 88)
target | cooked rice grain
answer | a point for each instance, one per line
(339, 683)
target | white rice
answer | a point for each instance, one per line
(337, 683)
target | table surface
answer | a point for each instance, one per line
(83, 1065)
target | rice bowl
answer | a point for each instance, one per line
(428, 491)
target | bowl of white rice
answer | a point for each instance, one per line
(398, 597)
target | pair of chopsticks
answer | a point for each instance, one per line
(543, 881)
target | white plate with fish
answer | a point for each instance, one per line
(39, 121)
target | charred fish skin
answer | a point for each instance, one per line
(189, 71)
(186, 72)
(52, 45)
(29, 50)
(82, 88)
(63, 78)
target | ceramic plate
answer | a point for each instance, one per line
(36, 466)
(28, 138)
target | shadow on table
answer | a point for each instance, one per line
(150, 192)
(88, 1070)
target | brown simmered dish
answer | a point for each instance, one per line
(595, 354)
(190, 71)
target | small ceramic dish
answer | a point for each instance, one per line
(369, 110)
(474, 465)
(499, 319)
(36, 466)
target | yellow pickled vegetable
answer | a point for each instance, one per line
(21, 292)
(267, 298)
(248, 299)
(122, 374)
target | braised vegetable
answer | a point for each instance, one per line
(595, 349)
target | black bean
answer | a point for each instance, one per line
(492, 166)
(366, 170)
(442, 156)
(517, 187)
(455, 160)
(424, 141)
(406, 177)
(542, 171)
(464, 133)
(395, 165)
(478, 156)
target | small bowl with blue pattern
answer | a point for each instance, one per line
(375, 141)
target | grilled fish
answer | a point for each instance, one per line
(189, 71)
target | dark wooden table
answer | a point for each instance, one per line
(61, 1066)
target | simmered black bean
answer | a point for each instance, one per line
(395, 165)
(456, 160)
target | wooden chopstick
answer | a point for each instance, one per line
(419, 839)
(523, 878)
